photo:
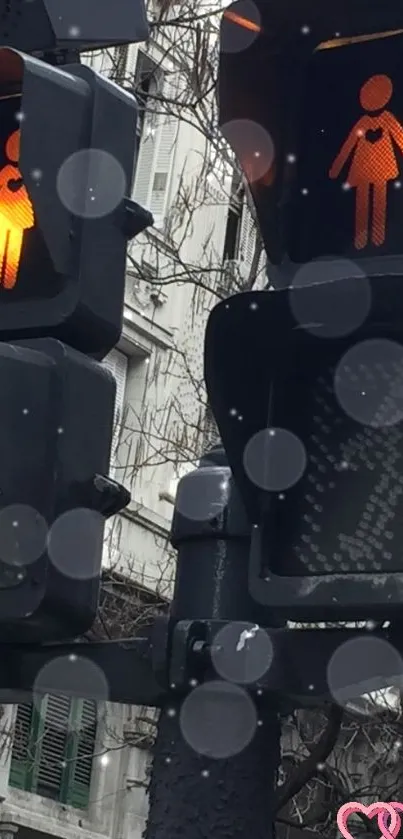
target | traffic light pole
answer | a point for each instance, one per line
(201, 798)
(193, 795)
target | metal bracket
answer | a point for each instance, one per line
(174, 657)
(127, 668)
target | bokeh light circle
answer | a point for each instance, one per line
(274, 459)
(69, 676)
(252, 145)
(368, 382)
(241, 653)
(91, 183)
(361, 666)
(75, 543)
(204, 496)
(330, 298)
(23, 534)
(240, 26)
(218, 719)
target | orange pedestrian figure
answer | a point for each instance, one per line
(374, 160)
(16, 213)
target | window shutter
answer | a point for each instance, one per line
(247, 238)
(211, 434)
(262, 277)
(53, 749)
(21, 756)
(145, 161)
(154, 164)
(83, 724)
(147, 149)
(50, 767)
(162, 174)
(116, 363)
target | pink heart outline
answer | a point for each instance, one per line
(372, 810)
(397, 805)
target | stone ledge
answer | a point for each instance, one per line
(147, 518)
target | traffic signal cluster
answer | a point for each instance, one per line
(306, 380)
(65, 219)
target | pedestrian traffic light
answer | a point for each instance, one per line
(347, 197)
(314, 114)
(56, 427)
(306, 385)
(305, 381)
(65, 219)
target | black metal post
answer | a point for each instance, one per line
(197, 793)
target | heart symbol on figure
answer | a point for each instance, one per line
(379, 808)
(15, 184)
(373, 134)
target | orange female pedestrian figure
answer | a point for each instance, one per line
(16, 213)
(374, 160)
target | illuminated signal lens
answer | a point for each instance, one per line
(346, 198)
(26, 270)
(16, 210)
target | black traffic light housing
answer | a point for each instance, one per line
(47, 26)
(324, 492)
(56, 429)
(70, 283)
(67, 153)
(291, 93)
(305, 381)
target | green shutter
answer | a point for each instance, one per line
(83, 727)
(25, 751)
(50, 766)
(20, 753)
(53, 749)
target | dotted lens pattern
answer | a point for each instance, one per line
(344, 514)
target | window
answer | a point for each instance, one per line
(160, 181)
(157, 129)
(53, 749)
(116, 363)
(239, 242)
(147, 81)
(233, 229)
